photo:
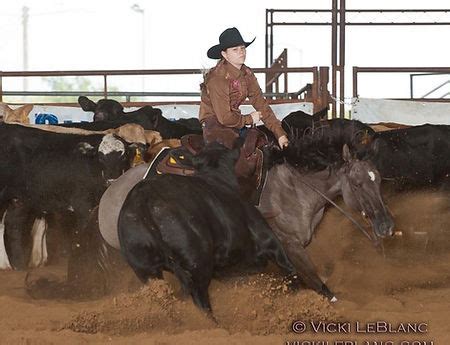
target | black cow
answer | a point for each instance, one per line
(194, 226)
(298, 121)
(43, 172)
(296, 124)
(415, 156)
(192, 123)
(299, 124)
(109, 113)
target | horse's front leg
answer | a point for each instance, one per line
(268, 244)
(303, 264)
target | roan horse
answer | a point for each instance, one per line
(310, 173)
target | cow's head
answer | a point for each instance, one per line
(104, 109)
(19, 114)
(114, 155)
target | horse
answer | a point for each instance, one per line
(318, 148)
(307, 176)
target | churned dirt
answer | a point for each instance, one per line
(409, 283)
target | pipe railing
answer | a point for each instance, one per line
(415, 70)
(107, 73)
(129, 94)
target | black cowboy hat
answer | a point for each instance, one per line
(231, 37)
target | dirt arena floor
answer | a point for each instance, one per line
(410, 283)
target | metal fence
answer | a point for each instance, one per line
(284, 94)
(414, 72)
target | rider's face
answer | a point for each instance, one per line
(235, 55)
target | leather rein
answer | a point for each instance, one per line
(346, 214)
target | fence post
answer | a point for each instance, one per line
(324, 96)
(315, 92)
(105, 86)
(355, 81)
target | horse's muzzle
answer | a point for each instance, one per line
(384, 228)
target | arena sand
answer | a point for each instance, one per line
(409, 283)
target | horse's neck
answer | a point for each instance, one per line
(325, 181)
(293, 208)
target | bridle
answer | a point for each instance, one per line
(346, 214)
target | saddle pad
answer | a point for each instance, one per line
(112, 201)
(152, 169)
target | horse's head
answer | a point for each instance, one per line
(360, 182)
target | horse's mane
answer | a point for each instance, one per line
(320, 146)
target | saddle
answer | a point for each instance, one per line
(248, 168)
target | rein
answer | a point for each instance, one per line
(360, 227)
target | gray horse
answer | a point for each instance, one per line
(294, 198)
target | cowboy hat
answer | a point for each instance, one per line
(231, 37)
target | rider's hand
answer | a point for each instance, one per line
(256, 116)
(283, 141)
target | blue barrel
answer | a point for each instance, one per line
(45, 118)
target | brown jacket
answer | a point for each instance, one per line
(225, 89)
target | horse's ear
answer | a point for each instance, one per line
(346, 155)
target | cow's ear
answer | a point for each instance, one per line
(346, 155)
(154, 114)
(86, 104)
(86, 149)
(117, 108)
(136, 153)
(26, 109)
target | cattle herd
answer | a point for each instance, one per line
(97, 174)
